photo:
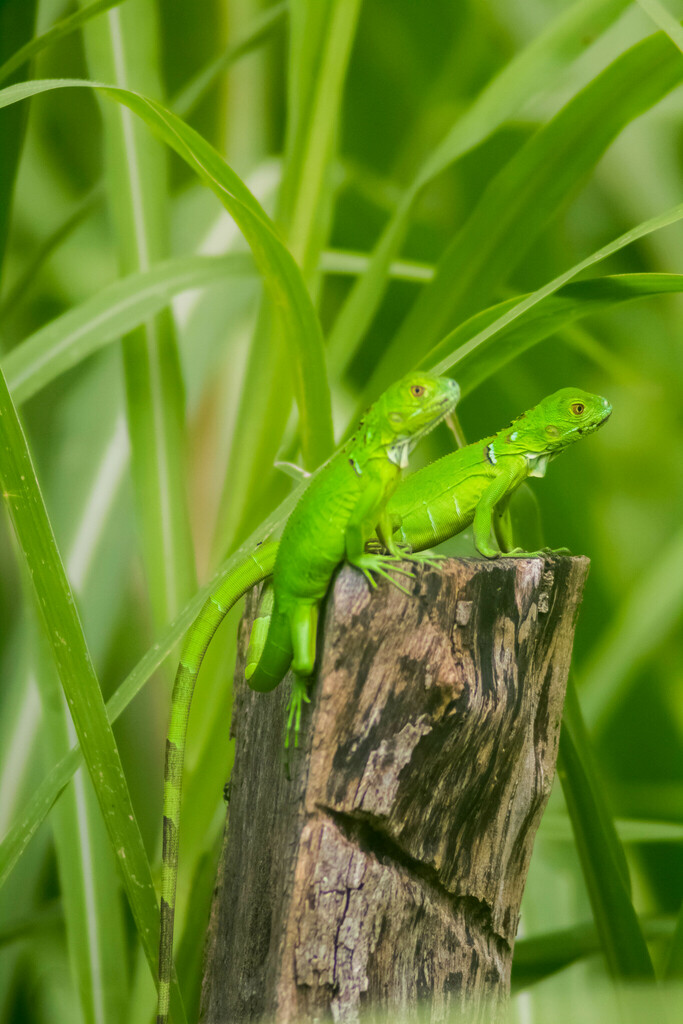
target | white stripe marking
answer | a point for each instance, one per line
(431, 520)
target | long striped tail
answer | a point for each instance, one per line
(257, 567)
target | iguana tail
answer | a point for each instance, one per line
(276, 656)
(260, 628)
(257, 567)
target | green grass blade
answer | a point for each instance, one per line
(466, 349)
(642, 621)
(16, 23)
(664, 19)
(478, 354)
(317, 73)
(62, 629)
(557, 827)
(539, 956)
(37, 808)
(281, 275)
(57, 31)
(600, 852)
(344, 261)
(191, 94)
(320, 42)
(183, 103)
(50, 915)
(674, 962)
(526, 193)
(128, 302)
(123, 48)
(63, 231)
(543, 60)
(115, 310)
(87, 873)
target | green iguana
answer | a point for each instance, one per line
(475, 483)
(340, 511)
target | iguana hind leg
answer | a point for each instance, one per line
(303, 621)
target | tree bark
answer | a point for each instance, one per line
(390, 869)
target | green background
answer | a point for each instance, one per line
(336, 120)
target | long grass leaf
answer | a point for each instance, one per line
(539, 956)
(526, 193)
(466, 349)
(87, 872)
(61, 625)
(183, 103)
(558, 827)
(113, 311)
(191, 94)
(600, 852)
(478, 354)
(542, 61)
(664, 19)
(16, 23)
(61, 28)
(281, 275)
(642, 621)
(320, 43)
(48, 916)
(50, 244)
(123, 48)
(34, 812)
(674, 962)
(128, 302)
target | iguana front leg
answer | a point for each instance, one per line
(483, 523)
(502, 525)
(502, 528)
(360, 527)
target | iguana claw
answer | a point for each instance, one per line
(298, 697)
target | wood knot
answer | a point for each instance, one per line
(547, 581)
(463, 613)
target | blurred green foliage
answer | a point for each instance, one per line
(350, 115)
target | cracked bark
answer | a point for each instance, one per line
(389, 871)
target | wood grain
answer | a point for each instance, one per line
(387, 874)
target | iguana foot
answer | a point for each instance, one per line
(299, 697)
(369, 562)
(404, 552)
(521, 553)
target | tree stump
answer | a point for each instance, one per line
(389, 871)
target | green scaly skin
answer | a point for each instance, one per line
(475, 483)
(338, 513)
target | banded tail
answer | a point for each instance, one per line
(257, 567)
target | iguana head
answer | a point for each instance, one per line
(556, 422)
(407, 411)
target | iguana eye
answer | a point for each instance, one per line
(417, 390)
(577, 408)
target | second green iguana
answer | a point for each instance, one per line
(475, 483)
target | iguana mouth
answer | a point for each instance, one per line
(588, 428)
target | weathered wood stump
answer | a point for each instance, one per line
(389, 871)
